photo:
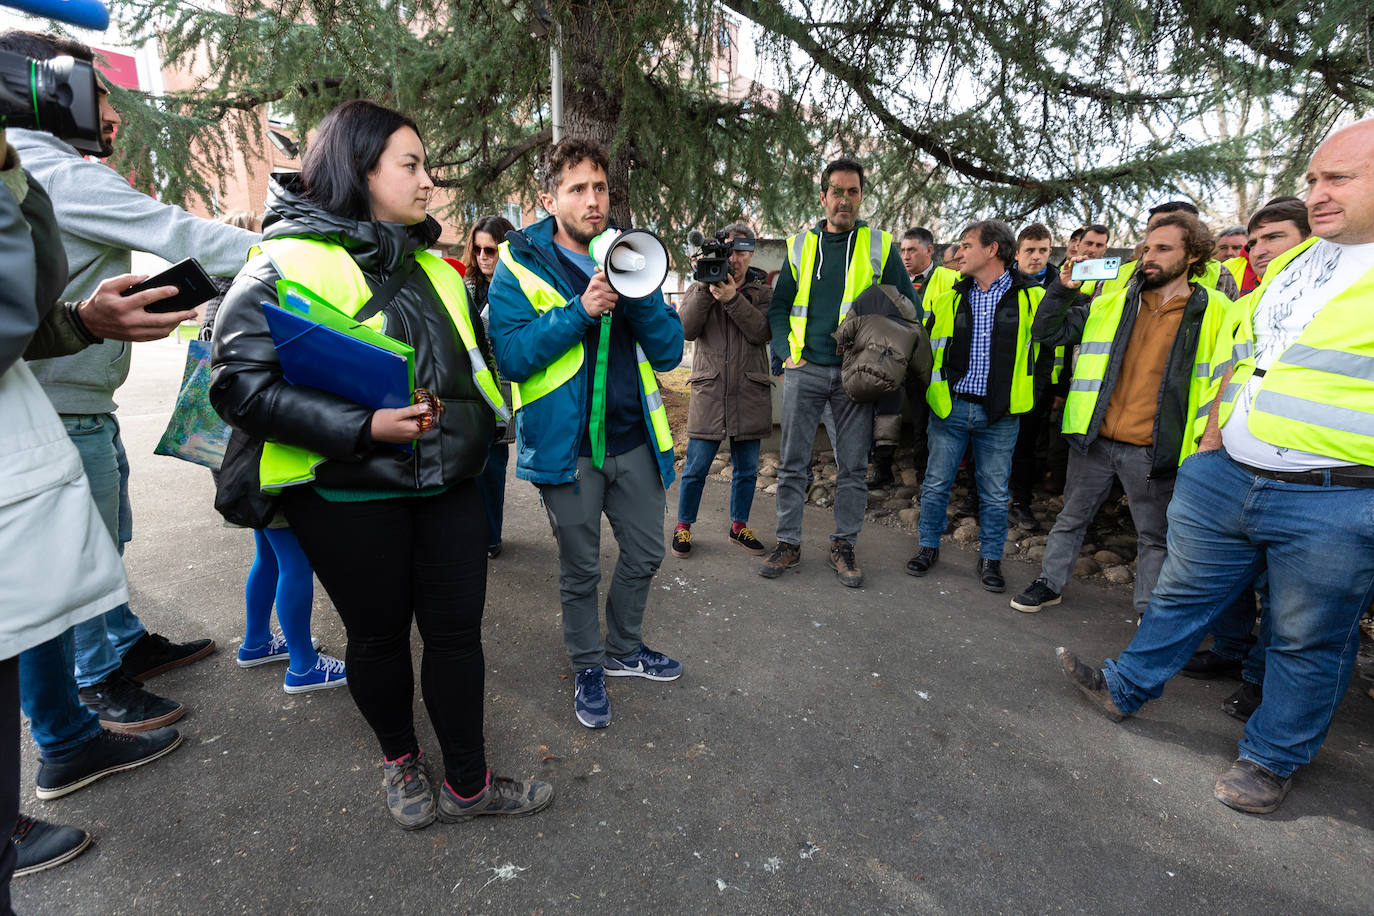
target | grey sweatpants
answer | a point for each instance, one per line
(1088, 483)
(628, 489)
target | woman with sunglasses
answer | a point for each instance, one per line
(480, 263)
(384, 502)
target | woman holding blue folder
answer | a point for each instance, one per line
(383, 500)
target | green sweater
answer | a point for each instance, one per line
(827, 291)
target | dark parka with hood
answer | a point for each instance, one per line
(248, 390)
(731, 387)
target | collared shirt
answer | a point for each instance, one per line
(984, 306)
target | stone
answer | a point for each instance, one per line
(966, 534)
(768, 470)
(771, 489)
(1108, 558)
(1089, 548)
(909, 517)
(1086, 566)
(876, 497)
(1036, 540)
(910, 478)
(717, 465)
(905, 492)
(896, 503)
(726, 472)
(1120, 575)
(1035, 554)
(822, 502)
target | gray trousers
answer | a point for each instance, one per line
(1086, 488)
(805, 393)
(630, 492)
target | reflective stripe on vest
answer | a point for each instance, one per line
(543, 296)
(1021, 397)
(331, 273)
(865, 268)
(1318, 396)
(1094, 358)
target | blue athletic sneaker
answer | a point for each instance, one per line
(644, 662)
(273, 651)
(590, 702)
(328, 672)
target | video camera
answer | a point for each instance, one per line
(58, 96)
(712, 260)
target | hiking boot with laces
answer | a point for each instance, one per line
(843, 562)
(39, 845)
(514, 797)
(747, 539)
(123, 705)
(409, 795)
(682, 543)
(784, 556)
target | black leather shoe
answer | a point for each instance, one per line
(1206, 664)
(1021, 516)
(990, 575)
(925, 558)
(1243, 703)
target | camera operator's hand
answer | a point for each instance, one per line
(599, 297)
(108, 314)
(725, 290)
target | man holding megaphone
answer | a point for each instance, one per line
(579, 326)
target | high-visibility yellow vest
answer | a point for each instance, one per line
(865, 268)
(543, 296)
(1237, 266)
(1094, 355)
(331, 273)
(1210, 275)
(1022, 396)
(942, 280)
(1318, 396)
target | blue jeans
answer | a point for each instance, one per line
(1225, 527)
(993, 445)
(47, 694)
(744, 470)
(491, 483)
(102, 641)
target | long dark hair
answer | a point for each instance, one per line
(347, 146)
(494, 226)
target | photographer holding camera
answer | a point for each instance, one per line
(731, 388)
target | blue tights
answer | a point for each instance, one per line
(281, 572)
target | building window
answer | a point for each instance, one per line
(511, 211)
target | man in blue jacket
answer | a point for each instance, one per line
(591, 430)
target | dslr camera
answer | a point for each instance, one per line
(712, 260)
(58, 96)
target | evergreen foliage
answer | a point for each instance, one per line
(1058, 110)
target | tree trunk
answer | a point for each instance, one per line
(591, 108)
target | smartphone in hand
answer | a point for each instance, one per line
(192, 282)
(1096, 269)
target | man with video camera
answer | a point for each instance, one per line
(731, 388)
(101, 219)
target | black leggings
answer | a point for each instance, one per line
(383, 563)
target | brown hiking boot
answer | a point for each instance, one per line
(1090, 681)
(785, 555)
(1249, 787)
(843, 562)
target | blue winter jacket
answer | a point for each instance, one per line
(549, 431)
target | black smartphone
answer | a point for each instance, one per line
(192, 283)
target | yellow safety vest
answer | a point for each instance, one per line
(1095, 353)
(1318, 396)
(942, 280)
(865, 268)
(1237, 268)
(1022, 396)
(331, 273)
(543, 296)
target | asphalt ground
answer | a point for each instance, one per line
(909, 747)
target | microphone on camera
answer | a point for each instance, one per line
(695, 238)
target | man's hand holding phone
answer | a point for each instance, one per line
(110, 314)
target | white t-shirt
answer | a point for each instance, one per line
(1297, 294)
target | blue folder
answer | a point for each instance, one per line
(321, 357)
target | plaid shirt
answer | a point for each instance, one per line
(984, 305)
